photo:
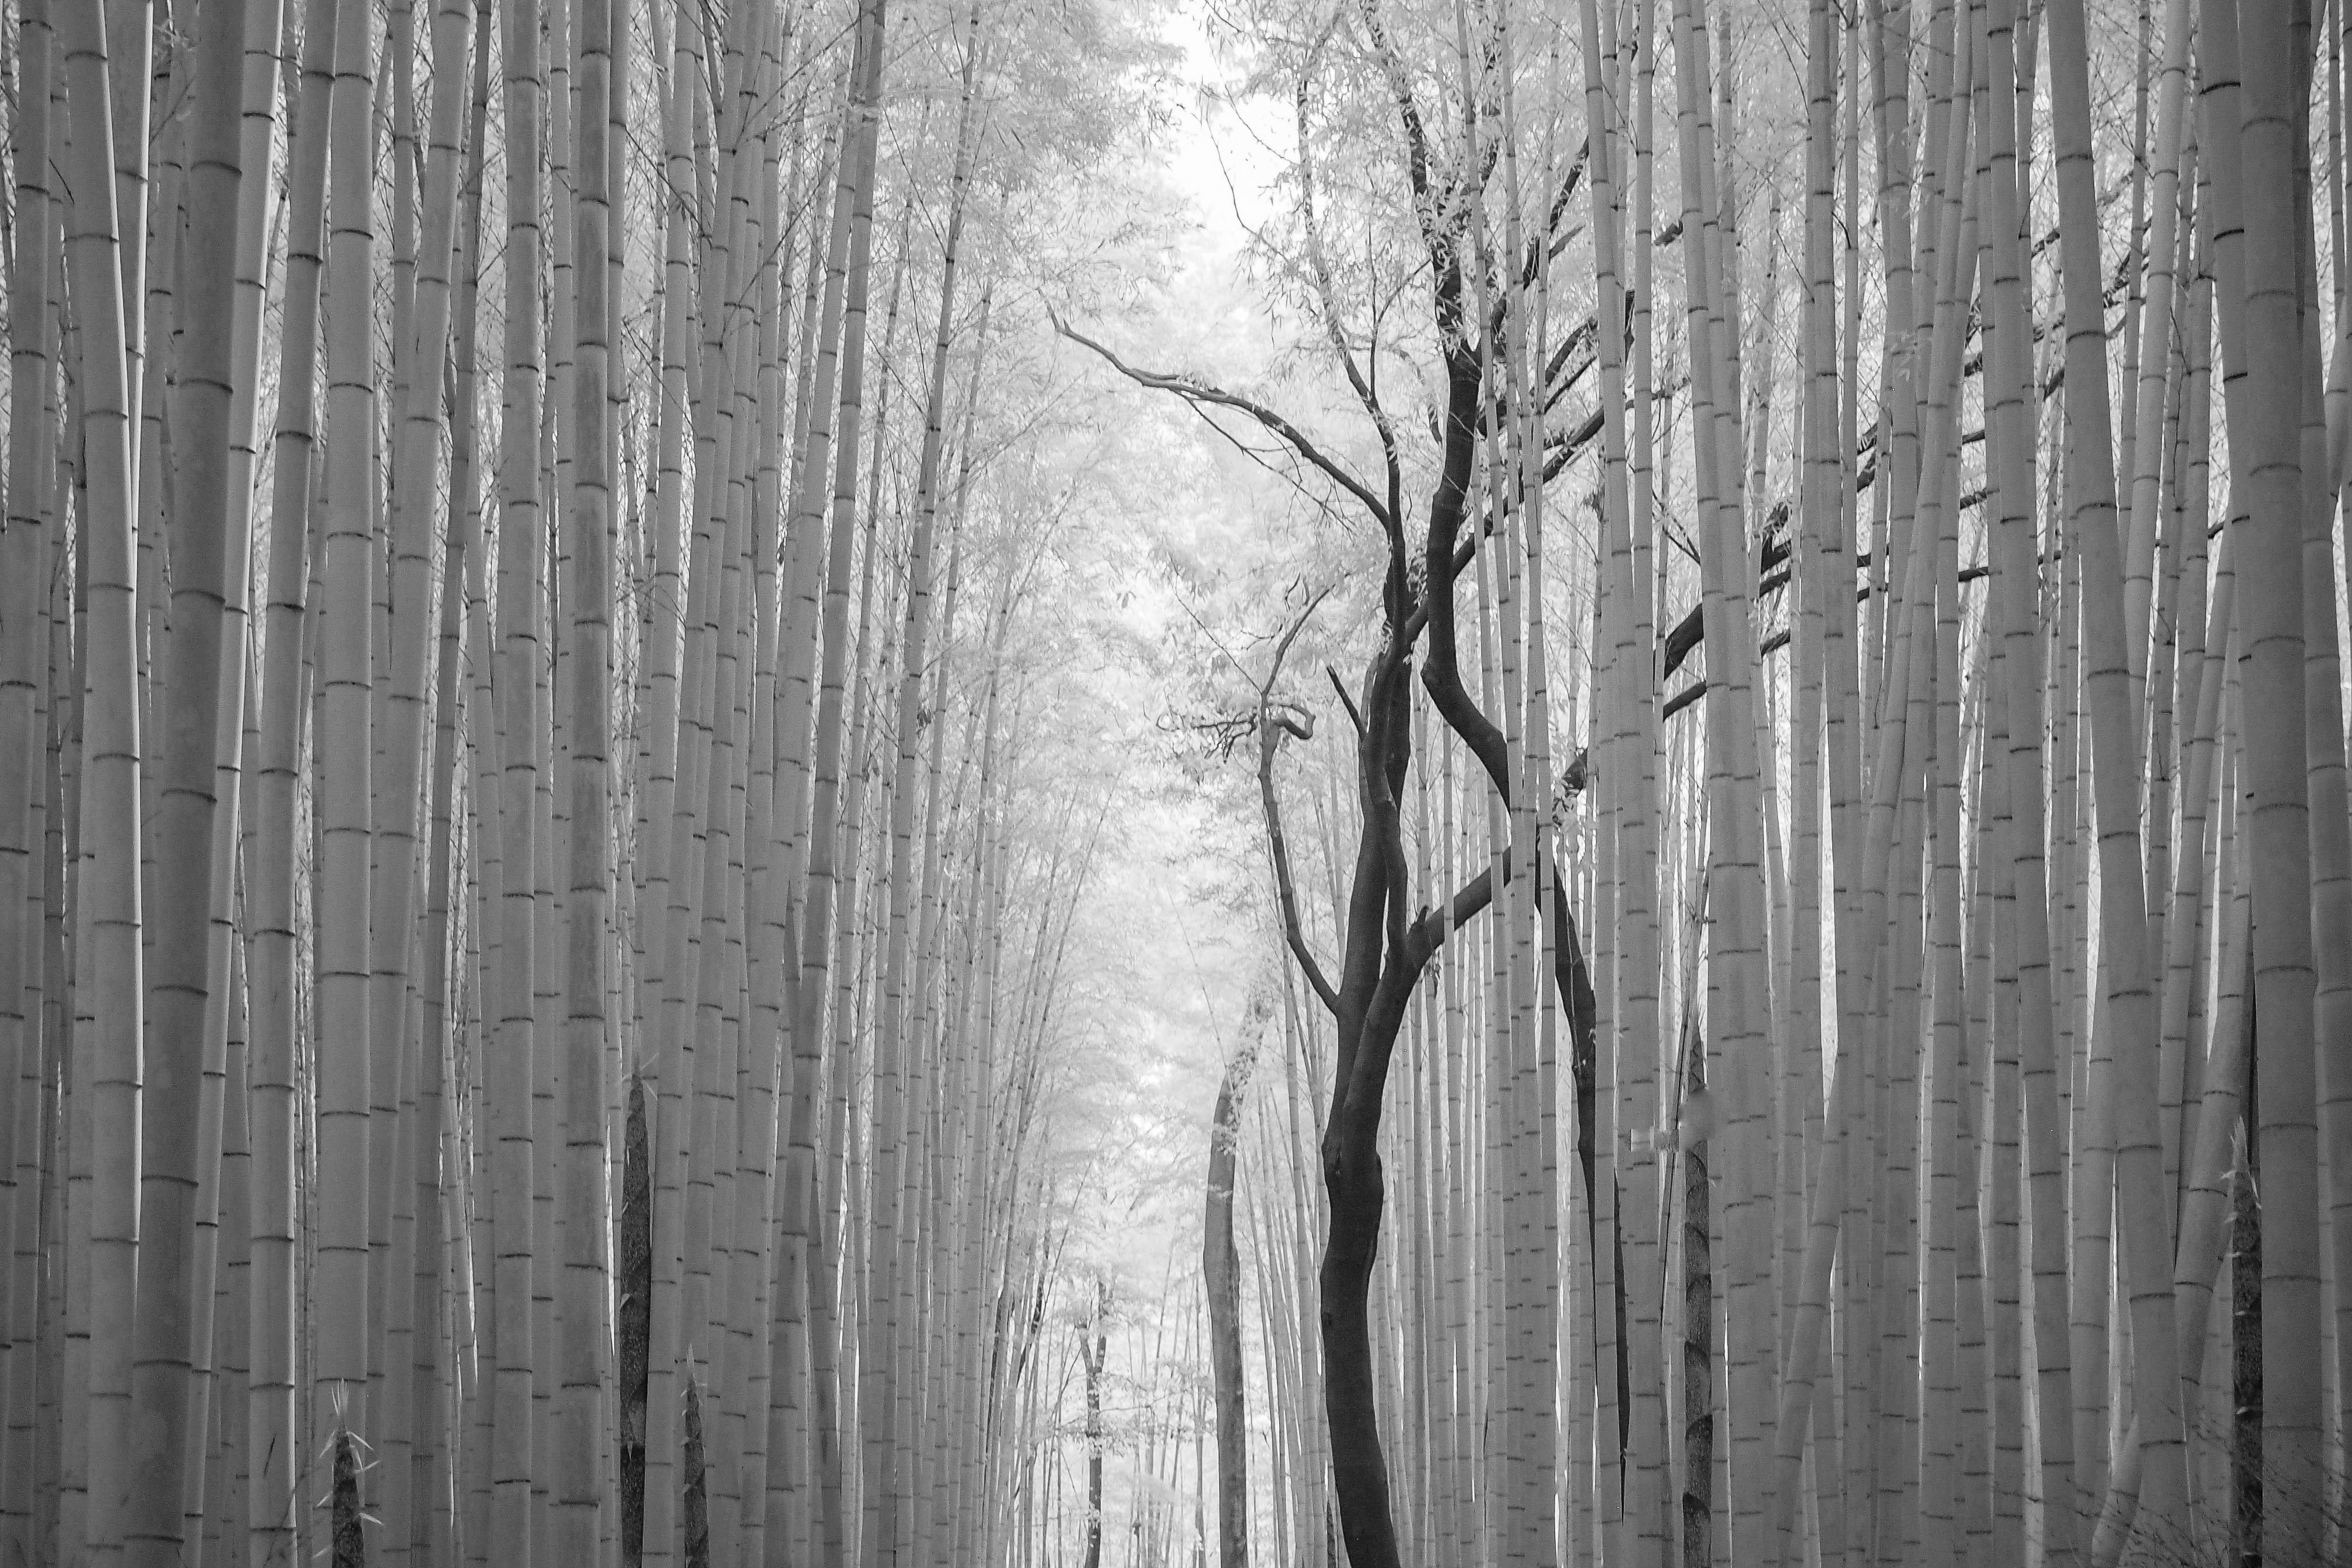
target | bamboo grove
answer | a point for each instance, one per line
(1858, 1186)
(1787, 748)
(489, 778)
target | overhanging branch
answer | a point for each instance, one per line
(1198, 391)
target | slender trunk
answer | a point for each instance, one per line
(1221, 1268)
(580, 1483)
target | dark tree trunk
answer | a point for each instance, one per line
(1353, 1177)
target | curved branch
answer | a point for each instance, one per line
(1773, 575)
(1200, 392)
(1292, 718)
(1447, 560)
(1441, 673)
(1269, 737)
(1340, 686)
(1430, 929)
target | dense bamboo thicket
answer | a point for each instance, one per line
(686, 878)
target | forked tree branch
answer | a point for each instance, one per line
(1285, 889)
